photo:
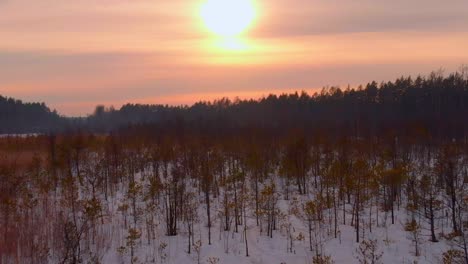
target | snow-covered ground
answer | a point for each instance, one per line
(19, 135)
(228, 247)
(125, 222)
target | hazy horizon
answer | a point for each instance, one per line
(74, 56)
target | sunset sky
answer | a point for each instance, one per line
(74, 55)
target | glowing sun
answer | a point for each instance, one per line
(227, 18)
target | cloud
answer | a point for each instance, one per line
(75, 83)
(305, 17)
(75, 54)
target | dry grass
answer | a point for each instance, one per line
(21, 151)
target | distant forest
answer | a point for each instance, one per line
(19, 117)
(435, 106)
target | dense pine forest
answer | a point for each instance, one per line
(435, 104)
(375, 174)
(19, 117)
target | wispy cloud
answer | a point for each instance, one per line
(73, 54)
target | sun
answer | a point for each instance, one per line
(228, 18)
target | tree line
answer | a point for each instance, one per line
(19, 117)
(433, 106)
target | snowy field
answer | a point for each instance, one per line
(393, 242)
(168, 211)
(229, 247)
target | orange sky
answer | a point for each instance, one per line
(76, 54)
